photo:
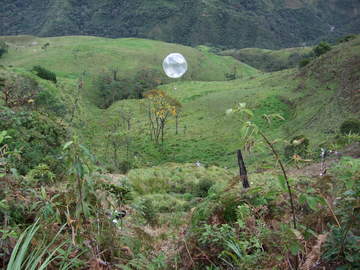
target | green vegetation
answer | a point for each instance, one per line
(152, 183)
(350, 126)
(230, 226)
(304, 62)
(44, 73)
(321, 49)
(33, 139)
(270, 60)
(110, 88)
(38, 258)
(317, 51)
(70, 57)
(235, 24)
(346, 38)
(297, 146)
(3, 48)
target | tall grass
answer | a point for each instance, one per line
(26, 257)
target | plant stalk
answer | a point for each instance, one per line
(277, 157)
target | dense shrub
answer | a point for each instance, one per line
(45, 74)
(48, 102)
(40, 174)
(111, 87)
(346, 38)
(19, 91)
(203, 187)
(25, 91)
(124, 166)
(147, 210)
(322, 48)
(146, 79)
(304, 62)
(350, 126)
(35, 139)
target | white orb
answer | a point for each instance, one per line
(175, 65)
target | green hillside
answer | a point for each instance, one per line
(314, 101)
(269, 60)
(84, 186)
(70, 57)
(270, 24)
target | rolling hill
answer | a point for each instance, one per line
(314, 100)
(71, 56)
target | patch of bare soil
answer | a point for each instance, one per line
(315, 169)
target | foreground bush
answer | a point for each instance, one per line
(35, 139)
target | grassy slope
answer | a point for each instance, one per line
(309, 104)
(71, 56)
(269, 60)
(313, 102)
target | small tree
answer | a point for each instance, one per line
(159, 107)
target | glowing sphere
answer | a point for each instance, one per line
(175, 65)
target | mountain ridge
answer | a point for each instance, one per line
(229, 23)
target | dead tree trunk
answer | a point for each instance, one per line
(243, 172)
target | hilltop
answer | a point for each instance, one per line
(71, 56)
(234, 24)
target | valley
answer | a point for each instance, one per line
(81, 169)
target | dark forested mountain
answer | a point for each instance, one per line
(230, 23)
